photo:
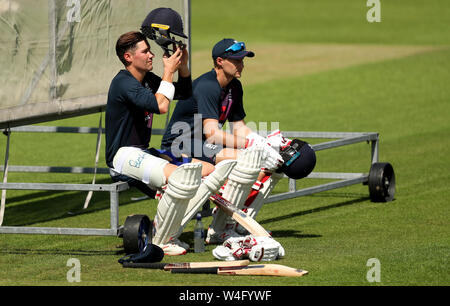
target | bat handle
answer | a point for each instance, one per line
(145, 265)
(212, 270)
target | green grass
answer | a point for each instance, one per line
(331, 234)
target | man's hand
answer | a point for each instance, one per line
(183, 70)
(171, 65)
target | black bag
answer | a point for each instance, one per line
(151, 253)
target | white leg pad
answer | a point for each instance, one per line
(211, 184)
(239, 184)
(254, 202)
(265, 190)
(140, 165)
(182, 186)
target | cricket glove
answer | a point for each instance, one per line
(254, 139)
(251, 247)
(277, 141)
(271, 159)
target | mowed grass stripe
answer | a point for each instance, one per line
(283, 60)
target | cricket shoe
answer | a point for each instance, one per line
(175, 247)
(214, 237)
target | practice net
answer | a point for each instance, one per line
(58, 56)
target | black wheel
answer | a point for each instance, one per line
(137, 232)
(381, 182)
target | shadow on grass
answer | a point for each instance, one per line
(315, 210)
(47, 206)
(293, 234)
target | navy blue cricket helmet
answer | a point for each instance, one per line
(299, 159)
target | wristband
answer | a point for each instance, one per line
(167, 89)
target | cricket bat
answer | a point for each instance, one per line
(241, 217)
(269, 269)
(185, 265)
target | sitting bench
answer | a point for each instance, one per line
(342, 179)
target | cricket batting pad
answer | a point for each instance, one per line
(182, 186)
(256, 198)
(261, 190)
(140, 165)
(211, 184)
(239, 184)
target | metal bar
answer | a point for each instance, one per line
(330, 135)
(292, 185)
(55, 169)
(67, 129)
(56, 129)
(57, 231)
(340, 142)
(120, 186)
(7, 132)
(374, 151)
(114, 210)
(58, 187)
(315, 189)
(335, 175)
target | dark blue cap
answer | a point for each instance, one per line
(220, 50)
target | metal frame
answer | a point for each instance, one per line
(344, 179)
(113, 189)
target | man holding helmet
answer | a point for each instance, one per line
(134, 96)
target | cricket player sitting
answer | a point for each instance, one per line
(177, 208)
(299, 161)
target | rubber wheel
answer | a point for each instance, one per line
(381, 182)
(136, 233)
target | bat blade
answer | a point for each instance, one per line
(268, 269)
(207, 264)
(241, 217)
(264, 270)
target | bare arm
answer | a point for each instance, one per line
(240, 129)
(217, 136)
(171, 65)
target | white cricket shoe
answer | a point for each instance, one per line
(182, 244)
(175, 247)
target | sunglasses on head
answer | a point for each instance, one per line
(236, 47)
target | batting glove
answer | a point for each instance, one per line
(251, 247)
(277, 141)
(266, 249)
(271, 159)
(253, 139)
